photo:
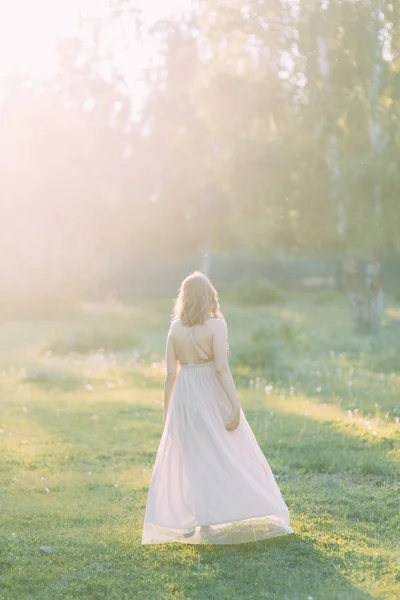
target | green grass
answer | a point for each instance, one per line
(80, 433)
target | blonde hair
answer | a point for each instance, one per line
(197, 300)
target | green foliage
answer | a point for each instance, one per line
(52, 378)
(283, 114)
(259, 291)
(326, 298)
(387, 360)
(269, 351)
(113, 338)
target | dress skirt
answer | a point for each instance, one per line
(205, 475)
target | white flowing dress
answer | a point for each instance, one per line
(205, 475)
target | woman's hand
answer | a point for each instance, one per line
(234, 420)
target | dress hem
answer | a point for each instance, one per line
(282, 529)
(264, 516)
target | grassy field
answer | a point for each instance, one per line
(81, 418)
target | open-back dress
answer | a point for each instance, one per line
(205, 475)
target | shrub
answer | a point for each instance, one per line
(258, 291)
(269, 351)
(112, 339)
(326, 298)
(53, 378)
(386, 361)
(396, 297)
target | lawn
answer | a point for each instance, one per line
(80, 422)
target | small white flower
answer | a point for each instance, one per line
(318, 389)
(89, 387)
(43, 479)
(14, 535)
(46, 489)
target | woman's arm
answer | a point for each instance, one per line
(171, 372)
(220, 350)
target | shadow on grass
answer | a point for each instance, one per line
(114, 423)
(311, 446)
(288, 440)
(368, 393)
(110, 564)
(289, 567)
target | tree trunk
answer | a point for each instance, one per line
(355, 290)
(332, 151)
(374, 289)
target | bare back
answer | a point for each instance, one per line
(197, 345)
(193, 344)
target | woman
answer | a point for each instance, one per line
(211, 483)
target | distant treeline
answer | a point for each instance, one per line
(162, 277)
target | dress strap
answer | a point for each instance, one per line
(202, 353)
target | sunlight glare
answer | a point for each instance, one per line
(29, 30)
(28, 34)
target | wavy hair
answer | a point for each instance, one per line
(197, 300)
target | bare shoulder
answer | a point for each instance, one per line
(175, 325)
(217, 325)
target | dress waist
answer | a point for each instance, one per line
(208, 363)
